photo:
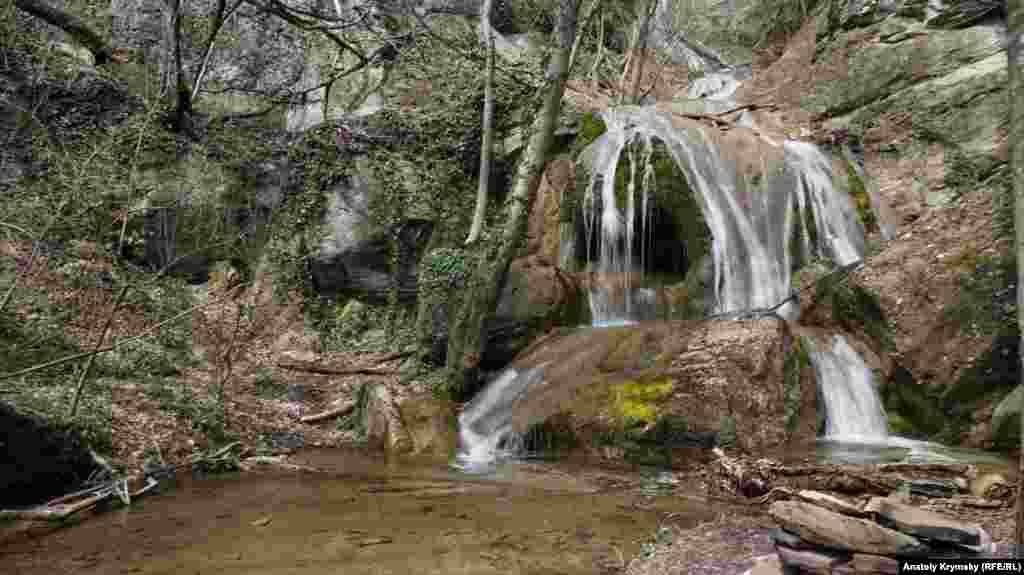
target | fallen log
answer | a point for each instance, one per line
(330, 413)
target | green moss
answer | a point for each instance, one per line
(797, 359)
(861, 198)
(986, 302)
(591, 127)
(913, 409)
(854, 306)
(727, 431)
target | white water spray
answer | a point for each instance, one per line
(854, 412)
(751, 218)
(485, 425)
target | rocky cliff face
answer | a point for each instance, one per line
(924, 91)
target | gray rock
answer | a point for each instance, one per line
(923, 524)
(364, 270)
(934, 487)
(819, 525)
(296, 392)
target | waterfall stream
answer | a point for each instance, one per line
(753, 211)
(853, 409)
(768, 207)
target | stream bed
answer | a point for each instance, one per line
(359, 514)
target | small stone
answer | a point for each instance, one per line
(262, 521)
(810, 561)
(368, 541)
(766, 566)
(933, 487)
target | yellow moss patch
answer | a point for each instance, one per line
(635, 401)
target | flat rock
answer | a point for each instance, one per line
(810, 561)
(831, 502)
(924, 524)
(862, 563)
(769, 565)
(824, 527)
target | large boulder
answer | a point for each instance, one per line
(364, 270)
(671, 386)
(37, 461)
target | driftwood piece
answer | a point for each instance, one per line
(343, 409)
(61, 508)
(56, 511)
(749, 476)
(328, 370)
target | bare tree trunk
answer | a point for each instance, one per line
(466, 337)
(82, 34)
(487, 143)
(1015, 35)
(640, 50)
(183, 96)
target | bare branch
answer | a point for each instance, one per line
(84, 35)
(219, 19)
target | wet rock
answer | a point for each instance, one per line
(38, 461)
(364, 270)
(823, 527)
(286, 440)
(382, 421)
(934, 487)
(296, 392)
(923, 524)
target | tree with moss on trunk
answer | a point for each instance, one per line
(466, 339)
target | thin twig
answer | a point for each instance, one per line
(80, 385)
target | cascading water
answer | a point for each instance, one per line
(754, 208)
(485, 425)
(752, 218)
(853, 409)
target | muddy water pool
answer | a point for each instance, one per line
(360, 515)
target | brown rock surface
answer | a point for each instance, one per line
(821, 526)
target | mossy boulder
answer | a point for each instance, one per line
(663, 388)
(431, 425)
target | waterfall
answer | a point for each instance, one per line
(853, 409)
(752, 217)
(486, 429)
(766, 205)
